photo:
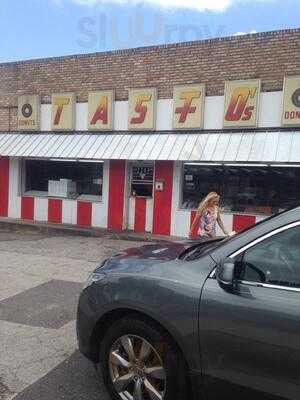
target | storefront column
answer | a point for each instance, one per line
(4, 186)
(162, 208)
(117, 174)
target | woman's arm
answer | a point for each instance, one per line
(221, 225)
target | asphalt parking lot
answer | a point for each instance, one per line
(40, 279)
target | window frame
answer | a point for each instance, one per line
(145, 163)
(223, 211)
(240, 253)
(45, 195)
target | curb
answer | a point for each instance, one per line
(51, 229)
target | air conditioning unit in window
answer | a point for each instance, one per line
(62, 188)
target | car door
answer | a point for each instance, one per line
(250, 336)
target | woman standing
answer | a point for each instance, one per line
(207, 217)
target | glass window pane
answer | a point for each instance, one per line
(275, 261)
(86, 176)
(142, 175)
(257, 190)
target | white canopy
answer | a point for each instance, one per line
(256, 147)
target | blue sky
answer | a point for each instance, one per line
(46, 28)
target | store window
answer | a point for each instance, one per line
(258, 190)
(142, 179)
(63, 179)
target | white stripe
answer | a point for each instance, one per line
(14, 198)
(180, 219)
(69, 212)
(131, 213)
(260, 218)
(40, 209)
(149, 215)
(100, 210)
(99, 219)
(228, 223)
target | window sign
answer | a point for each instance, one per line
(142, 179)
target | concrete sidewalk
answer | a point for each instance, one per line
(40, 280)
(46, 228)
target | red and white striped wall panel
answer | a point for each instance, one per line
(52, 210)
(162, 207)
(4, 186)
(140, 214)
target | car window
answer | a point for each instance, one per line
(274, 261)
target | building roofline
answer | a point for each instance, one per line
(129, 51)
(159, 132)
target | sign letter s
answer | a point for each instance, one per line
(141, 109)
(237, 109)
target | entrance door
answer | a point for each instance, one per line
(250, 338)
(140, 204)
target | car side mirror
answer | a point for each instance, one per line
(225, 273)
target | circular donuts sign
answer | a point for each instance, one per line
(28, 112)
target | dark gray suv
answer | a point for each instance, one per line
(217, 318)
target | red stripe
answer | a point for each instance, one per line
(27, 208)
(84, 213)
(195, 231)
(241, 222)
(163, 199)
(117, 170)
(4, 183)
(54, 210)
(140, 214)
(193, 215)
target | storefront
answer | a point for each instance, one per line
(144, 163)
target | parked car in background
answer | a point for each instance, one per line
(218, 318)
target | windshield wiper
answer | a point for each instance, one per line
(196, 250)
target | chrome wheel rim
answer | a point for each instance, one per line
(136, 369)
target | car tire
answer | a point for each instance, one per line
(143, 333)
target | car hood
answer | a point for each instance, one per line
(152, 257)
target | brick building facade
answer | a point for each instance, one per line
(153, 180)
(269, 56)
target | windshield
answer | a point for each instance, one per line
(199, 249)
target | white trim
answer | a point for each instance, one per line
(149, 215)
(268, 286)
(262, 238)
(40, 209)
(14, 198)
(69, 211)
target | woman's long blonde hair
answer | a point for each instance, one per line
(206, 201)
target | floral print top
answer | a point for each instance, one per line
(208, 222)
